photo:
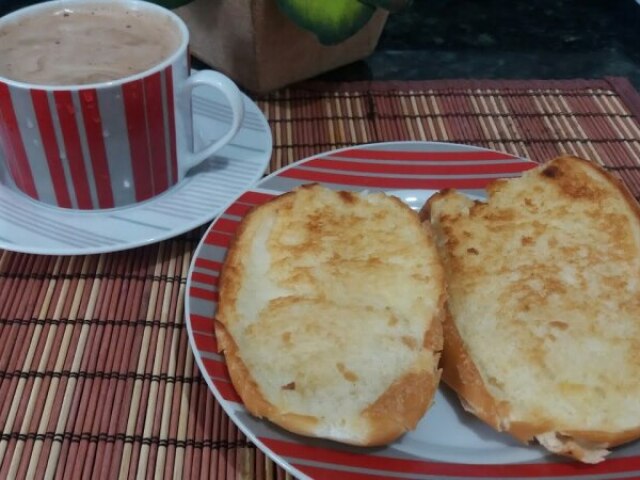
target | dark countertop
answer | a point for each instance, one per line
(496, 39)
(436, 39)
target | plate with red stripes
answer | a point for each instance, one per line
(448, 442)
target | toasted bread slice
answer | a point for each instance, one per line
(542, 339)
(330, 315)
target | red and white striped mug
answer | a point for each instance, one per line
(109, 143)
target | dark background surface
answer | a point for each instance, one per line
(497, 39)
(543, 39)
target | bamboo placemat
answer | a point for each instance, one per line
(96, 375)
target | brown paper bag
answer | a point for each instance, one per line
(261, 49)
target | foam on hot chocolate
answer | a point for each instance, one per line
(86, 43)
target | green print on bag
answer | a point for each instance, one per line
(333, 21)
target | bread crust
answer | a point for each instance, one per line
(395, 412)
(249, 390)
(402, 405)
(614, 181)
(461, 374)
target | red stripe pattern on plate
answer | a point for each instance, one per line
(217, 368)
(208, 264)
(200, 323)
(397, 169)
(449, 155)
(375, 462)
(207, 343)
(205, 278)
(413, 168)
(203, 294)
(358, 168)
(387, 182)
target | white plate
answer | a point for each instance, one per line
(33, 227)
(448, 442)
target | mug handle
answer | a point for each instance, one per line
(234, 97)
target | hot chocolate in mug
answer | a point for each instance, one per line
(95, 102)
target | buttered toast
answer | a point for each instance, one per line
(330, 314)
(542, 336)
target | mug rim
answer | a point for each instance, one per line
(135, 4)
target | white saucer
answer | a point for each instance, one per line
(33, 227)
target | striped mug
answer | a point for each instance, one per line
(101, 142)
